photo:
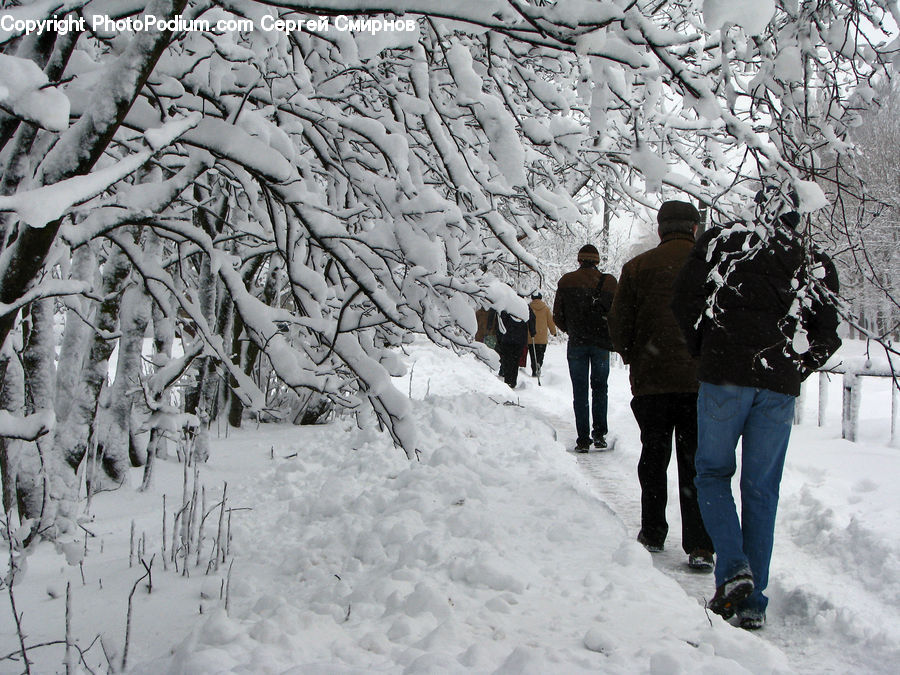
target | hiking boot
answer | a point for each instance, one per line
(729, 595)
(652, 546)
(582, 446)
(751, 619)
(600, 442)
(701, 559)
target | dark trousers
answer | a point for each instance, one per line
(509, 362)
(536, 354)
(658, 416)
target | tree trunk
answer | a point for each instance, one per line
(12, 399)
(214, 386)
(32, 478)
(163, 314)
(113, 426)
(73, 434)
(163, 317)
(207, 285)
(71, 353)
(46, 488)
(238, 355)
(251, 353)
(607, 219)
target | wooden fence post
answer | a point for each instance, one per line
(798, 405)
(850, 414)
(823, 396)
(895, 415)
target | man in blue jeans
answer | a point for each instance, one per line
(583, 299)
(756, 303)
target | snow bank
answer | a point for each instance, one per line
(489, 553)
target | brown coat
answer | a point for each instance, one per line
(486, 324)
(543, 322)
(642, 325)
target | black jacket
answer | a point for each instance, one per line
(583, 299)
(738, 300)
(513, 331)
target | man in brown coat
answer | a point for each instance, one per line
(583, 298)
(663, 381)
(537, 344)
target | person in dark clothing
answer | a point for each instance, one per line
(663, 381)
(756, 303)
(583, 299)
(511, 340)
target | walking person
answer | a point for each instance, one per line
(663, 379)
(513, 334)
(583, 299)
(486, 327)
(543, 327)
(756, 304)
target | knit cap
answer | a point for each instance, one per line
(588, 253)
(676, 216)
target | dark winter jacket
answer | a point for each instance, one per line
(641, 323)
(513, 331)
(583, 299)
(737, 299)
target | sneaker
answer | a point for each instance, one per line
(751, 619)
(651, 546)
(582, 446)
(729, 595)
(600, 442)
(701, 559)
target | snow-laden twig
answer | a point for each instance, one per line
(10, 582)
(146, 575)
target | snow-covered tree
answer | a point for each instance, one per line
(297, 201)
(871, 208)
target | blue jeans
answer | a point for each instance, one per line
(589, 363)
(763, 419)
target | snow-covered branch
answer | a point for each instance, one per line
(27, 428)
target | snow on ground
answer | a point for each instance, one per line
(496, 550)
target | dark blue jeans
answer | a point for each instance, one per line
(589, 364)
(763, 419)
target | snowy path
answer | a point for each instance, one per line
(614, 474)
(834, 578)
(609, 474)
